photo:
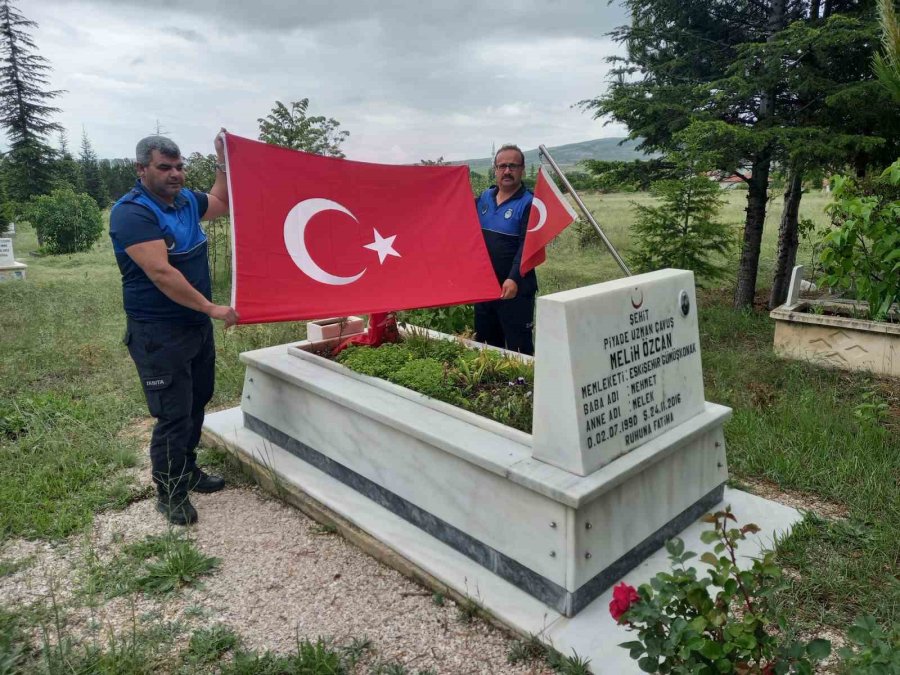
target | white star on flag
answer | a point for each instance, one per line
(384, 246)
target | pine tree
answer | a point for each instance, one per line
(65, 168)
(25, 112)
(742, 81)
(682, 231)
(91, 181)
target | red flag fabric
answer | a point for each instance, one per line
(382, 328)
(550, 215)
(318, 236)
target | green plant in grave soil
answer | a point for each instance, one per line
(725, 622)
(861, 252)
(482, 381)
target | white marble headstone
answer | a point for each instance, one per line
(7, 259)
(616, 364)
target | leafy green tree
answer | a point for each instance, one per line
(293, 128)
(479, 182)
(200, 172)
(65, 222)
(91, 180)
(682, 231)
(862, 251)
(25, 111)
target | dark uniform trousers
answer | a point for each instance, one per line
(506, 323)
(177, 368)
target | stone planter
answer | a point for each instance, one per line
(837, 341)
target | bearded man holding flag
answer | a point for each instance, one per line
(503, 210)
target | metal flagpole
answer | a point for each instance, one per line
(584, 210)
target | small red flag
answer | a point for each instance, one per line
(319, 236)
(550, 215)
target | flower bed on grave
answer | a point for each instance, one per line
(483, 381)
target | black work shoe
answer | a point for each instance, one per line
(177, 508)
(203, 482)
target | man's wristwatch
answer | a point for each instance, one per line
(220, 166)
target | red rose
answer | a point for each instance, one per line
(624, 596)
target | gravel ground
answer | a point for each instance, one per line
(280, 576)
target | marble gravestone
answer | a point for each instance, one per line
(616, 365)
(9, 268)
(537, 527)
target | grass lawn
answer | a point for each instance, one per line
(68, 390)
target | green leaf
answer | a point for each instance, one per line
(859, 635)
(711, 650)
(709, 559)
(648, 665)
(699, 624)
(675, 546)
(709, 536)
(818, 649)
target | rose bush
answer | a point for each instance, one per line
(724, 622)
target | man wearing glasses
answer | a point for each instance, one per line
(162, 254)
(503, 210)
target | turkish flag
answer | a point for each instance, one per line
(318, 236)
(550, 215)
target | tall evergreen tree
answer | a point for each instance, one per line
(717, 75)
(91, 180)
(65, 168)
(118, 177)
(25, 111)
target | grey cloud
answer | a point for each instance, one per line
(187, 34)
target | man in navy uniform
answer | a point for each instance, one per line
(162, 254)
(503, 210)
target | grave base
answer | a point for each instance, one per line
(591, 634)
(473, 484)
(16, 271)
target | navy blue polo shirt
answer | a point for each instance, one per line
(140, 216)
(504, 229)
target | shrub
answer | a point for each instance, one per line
(452, 319)
(862, 250)
(874, 651)
(65, 222)
(682, 231)
(725, 622)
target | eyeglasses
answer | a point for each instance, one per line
(504, 167)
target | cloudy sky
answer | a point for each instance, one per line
(409, 79)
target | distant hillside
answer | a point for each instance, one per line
(569, 155)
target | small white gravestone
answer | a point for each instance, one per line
(6, 253)
(616, 365)
(9, 268)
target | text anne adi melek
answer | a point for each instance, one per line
(634, 356)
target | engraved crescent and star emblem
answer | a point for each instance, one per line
(508, 214)
(295, 241)
(637, 303)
